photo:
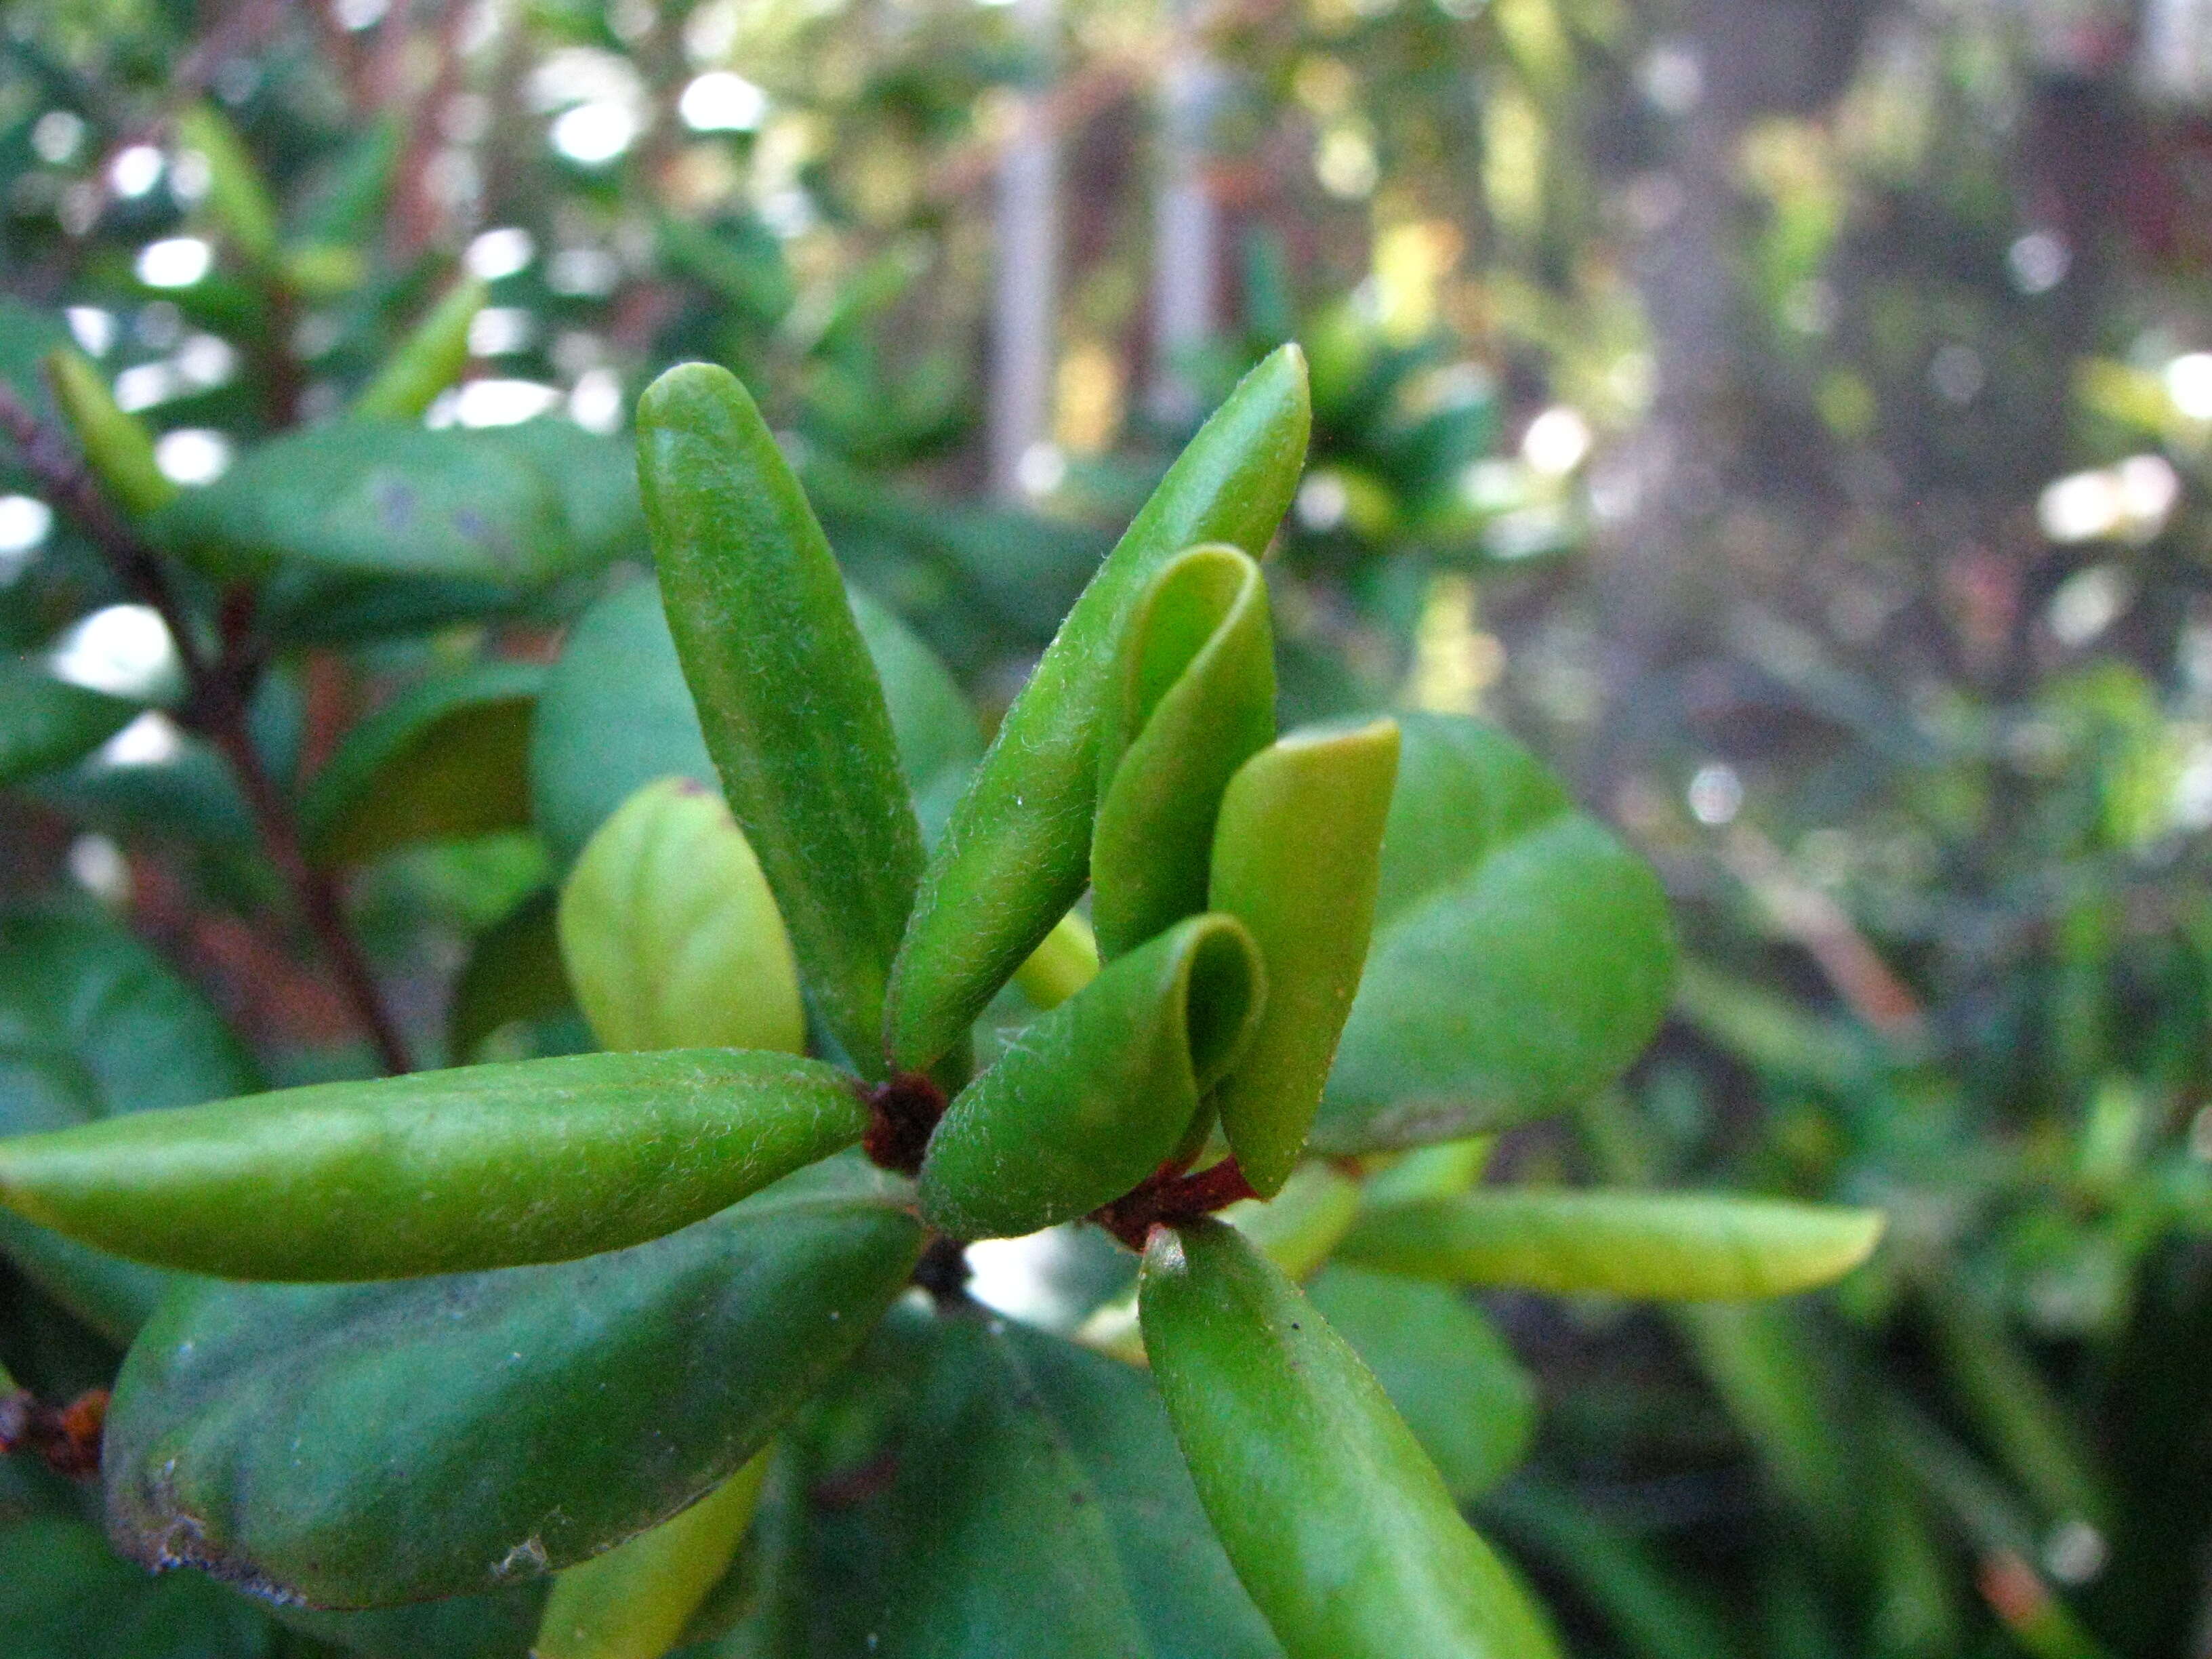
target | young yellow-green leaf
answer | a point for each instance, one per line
(1294, 859)
(1521, 955)
(436, 1172)
(430, 359)
(634, 1602)
(1332, 1514)
(237, 196)
(446, 759)
(1016, 851)
(1193, 697)
(1065, 963)
(671, 935)
(1672, 1247)
(117, 446)
(1094, 1095)
(792, 709)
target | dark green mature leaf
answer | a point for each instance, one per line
(938, 739)
(447, 758)
(46, 722)
(65, 1595)
(1033, 1505)
(1097, 1093)
(790, 706)
(513, 973)
(437, 1172)
(1015, 853)
(1521, 956)
(1676, 1247)
(93, 1025)
(386, 498)
(1335, 1519)
(363, 1445)
(616, 715)
(302, 605)
(1444, 1366)
(1194, 697)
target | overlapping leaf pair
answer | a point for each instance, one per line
(590, 1290)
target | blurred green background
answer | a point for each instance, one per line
(1792, 417)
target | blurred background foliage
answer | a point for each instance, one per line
(1794, 417)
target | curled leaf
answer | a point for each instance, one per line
(1015, 854)
(1194, 697)
(1294, 859)
(1094, 1095)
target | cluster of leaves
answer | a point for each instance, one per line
(587, 1292)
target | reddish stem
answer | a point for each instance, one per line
(66, 1436)
(1169, 1197)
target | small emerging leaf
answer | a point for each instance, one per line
(791, 709)
(1065, 963)
(1194, 697)
(1094, 1095)
(671, 936)
(1333, 1515)
(1015, 854)
(1294, 859)
(1668, 1246)
(117, 446)
(634, 1602)
(430, 359)
(237, 195)
(437, 1171)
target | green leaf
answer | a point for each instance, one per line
(381, 498)
(430, 359)
(938, 739)
(1096, 1095)
(513, 973)
(1333, 1517)
(64, 1594)
(1673, 1246)
(363, 1445)
(482, 1166)
(1521, 956)
(634, 1602)
(1444, 1366)
(1036, 1506)
(616, 715)
(1016, 851)
(792, 709)
(671, 936)
(1294, 859)
(94, 1024)
(117, 446)
(447, 758)
(1194, 698)
(237, 195)
(46, 722)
